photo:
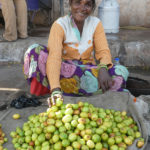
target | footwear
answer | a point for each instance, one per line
(2, 39)
(23, 37)
(3, 106)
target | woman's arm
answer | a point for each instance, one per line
(102, 53)
(55, 46)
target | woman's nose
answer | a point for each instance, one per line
(83, 7)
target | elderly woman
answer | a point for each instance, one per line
(68, 65)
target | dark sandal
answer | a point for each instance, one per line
(23, 101)
(2, 39)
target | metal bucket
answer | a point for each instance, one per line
(32, 4)
(109, 13)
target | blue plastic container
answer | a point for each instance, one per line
(32, 4)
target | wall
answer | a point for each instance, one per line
(132, 12)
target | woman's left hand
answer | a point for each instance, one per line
(52, 99)
(104, 79)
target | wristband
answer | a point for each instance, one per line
(56, 89)
(56, 92)
(102, 66)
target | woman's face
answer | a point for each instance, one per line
(81, 9)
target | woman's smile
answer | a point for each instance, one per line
(82, 15)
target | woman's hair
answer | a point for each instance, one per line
(93, 1)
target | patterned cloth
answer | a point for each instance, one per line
(77, 77)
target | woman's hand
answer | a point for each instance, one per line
(104, 79)
(54, 96)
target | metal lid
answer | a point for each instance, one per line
(109, 4)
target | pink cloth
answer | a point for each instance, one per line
(67, 70)
(26, 65)
(118, 80)
(42, 62)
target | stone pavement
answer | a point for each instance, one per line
(14, 51)
(132, 46)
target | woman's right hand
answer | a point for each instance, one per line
(54, 96)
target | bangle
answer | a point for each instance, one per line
(102, 66)
(56, 89)
(56, 92)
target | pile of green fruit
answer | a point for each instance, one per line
(77, 126)
(2, 139)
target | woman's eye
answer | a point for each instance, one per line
(89, 4)
(78, 2)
